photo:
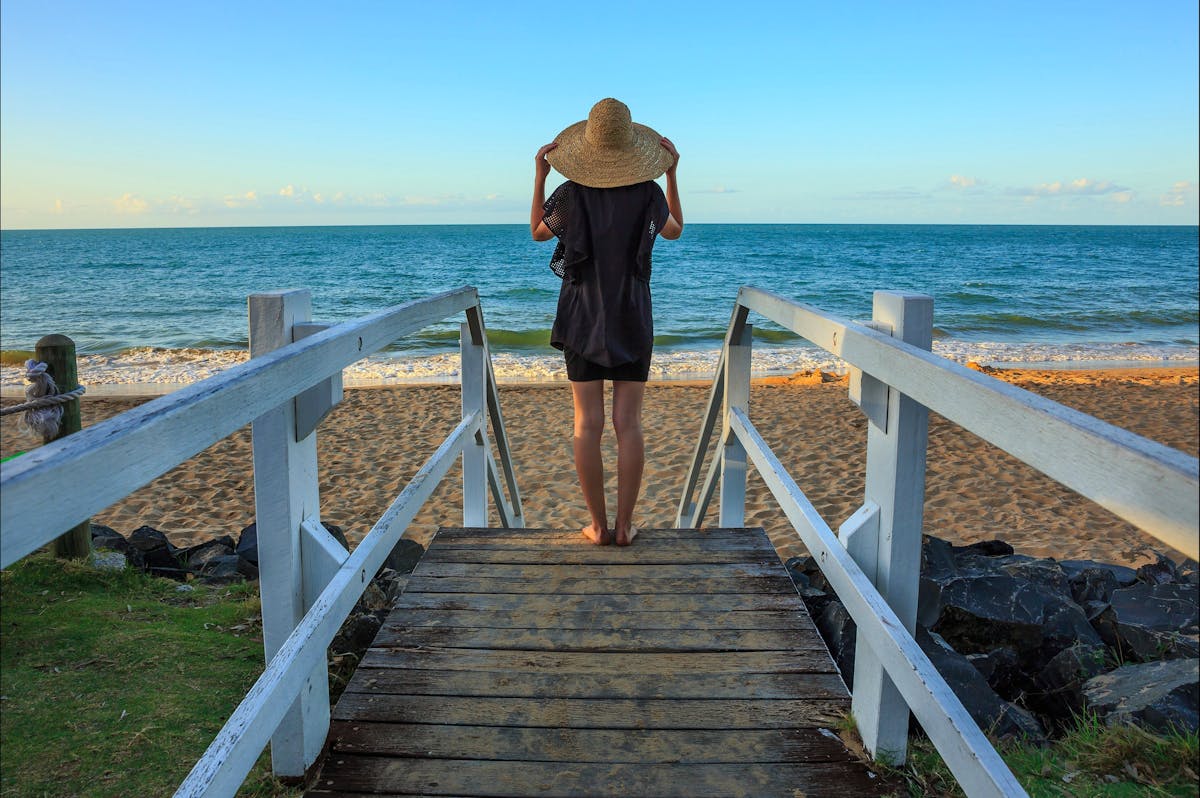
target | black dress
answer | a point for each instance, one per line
(605, 237)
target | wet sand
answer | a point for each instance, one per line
(372, 444)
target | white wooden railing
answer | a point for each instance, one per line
(874, 561)
(309, 582)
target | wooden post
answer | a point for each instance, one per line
(58, 353)
(285, 496)
(895, 483)
(732, 512)
(474, 456)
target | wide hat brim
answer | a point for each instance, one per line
(640, 159)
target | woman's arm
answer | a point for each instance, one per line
(673, 229)
(538, 228)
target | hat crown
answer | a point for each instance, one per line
(609, 124)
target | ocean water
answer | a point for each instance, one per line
(1002, 294)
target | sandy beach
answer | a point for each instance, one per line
(373, 443)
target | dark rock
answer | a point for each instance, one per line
(1189, 572)
(247, 568)
(1000, 667)
(980, 613)
(391, 583)
(405, 556)
(1124, 576)
(1161, 572)
(1093, 584)
(838, 630)
(1045, 573)
(356, 634)
(796, 572)
(221, 569)
(105, 537)
(1149, 622)
(247, 545)
(194, 557)
(1060, 683)
(993, 714)
(158, 556)
(987, 548)
(1155, 695)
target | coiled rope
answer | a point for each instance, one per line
(44, 406)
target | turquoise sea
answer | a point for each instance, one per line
(1073, 295)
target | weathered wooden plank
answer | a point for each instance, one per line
(522, 684)
(632, 572)
(448, 533)
(602, 602)
(582, 586)
(590, 639)
(600, 713)
(591, 555)
(802, 659)
(658, 746)
(583, 780)
(601, 619)
(753, 546)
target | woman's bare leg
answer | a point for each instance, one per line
(631, 454)
(589, 426)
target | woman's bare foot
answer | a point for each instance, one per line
(625, 537)
(600, 537)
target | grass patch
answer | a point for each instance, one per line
(113, 683)
(1090, 759)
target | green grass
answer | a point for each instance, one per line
(114, 683)
(1091, 759)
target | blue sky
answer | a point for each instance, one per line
(168, 114)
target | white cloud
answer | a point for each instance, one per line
(716, 190)
(58, 205)
(287, 191)
(964, 181)
(1081, 187)
(241, 200)
(1180, 194)
(131, 204)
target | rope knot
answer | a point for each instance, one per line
(43, 405)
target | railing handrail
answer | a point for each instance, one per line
(273, 385)
(120, 455)
(1157, 492)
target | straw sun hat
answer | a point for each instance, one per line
(608, 149)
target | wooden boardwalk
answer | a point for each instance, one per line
(528, 662)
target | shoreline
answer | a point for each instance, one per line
(973, 490)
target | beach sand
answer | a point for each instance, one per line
(373, 443)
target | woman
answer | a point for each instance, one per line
(606, 217)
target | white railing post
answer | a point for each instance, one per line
(895, 483)
(475, 454)
(733, 453)
(285, 496)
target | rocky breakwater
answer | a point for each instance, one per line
(222, 561)
(1028, 644)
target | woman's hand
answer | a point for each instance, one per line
(669, 147)
(540, 164)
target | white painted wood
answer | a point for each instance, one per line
(867, 392)
(1150, 485)
(895, 482)
(732, 511)
(859, 535)
(285, 496)
(118, 456)
(478, 332)
(321, 555)
(223, 768)
(712, 411)
(503, 508)
(474, 456)
(707, 491)
(966, 750)
(314, 404)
